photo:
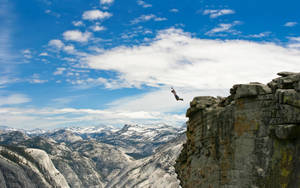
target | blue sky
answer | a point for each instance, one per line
(111, 62)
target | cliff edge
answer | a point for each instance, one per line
(248, 139)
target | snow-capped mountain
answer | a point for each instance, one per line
(91, 157)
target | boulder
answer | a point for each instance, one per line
(250, 90)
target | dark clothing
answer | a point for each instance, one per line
(176, 96)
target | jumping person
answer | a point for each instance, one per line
(176, 96)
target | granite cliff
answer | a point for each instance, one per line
(248, 139)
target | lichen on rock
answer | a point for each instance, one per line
(248, 139)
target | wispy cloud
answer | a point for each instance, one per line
(216, 13)
(148, 17)
(260, 35)
(290, 24)
(60, 117)
(27, 53)
(78, 23)
(13, 99)
(95, 15)
(174, 10)
(294, 42)
(106, 2)
(143, 4)
(225, 28)
(7, 56)
(35, 79)
(6, 20)
(49, 12)
(59, 71)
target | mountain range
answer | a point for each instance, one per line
(90, 157)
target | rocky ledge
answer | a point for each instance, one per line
(248, 139)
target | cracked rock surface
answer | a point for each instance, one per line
(248, 139)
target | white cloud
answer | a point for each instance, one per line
(106, 2)
(44, 54)
(14, 99)
(294, 39)
(38, 81)
(260, 35)
(69, 49)
(27, 53)
(176, 59)
(76, 35)
(95, 15)
(162, 100)
(53, 118)
(224, 28)
(59, 71)
(174, 10)
(217, 13)
(294, 42)
(144, 18)
(290, 24)
(78, 23)
(56, 43)
(49, 12)
(143, 4)
(98, 28)
(7, 18)
(35, 79)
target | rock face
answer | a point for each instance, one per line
(248, 139)
(155, 171)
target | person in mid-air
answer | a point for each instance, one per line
(175, 94)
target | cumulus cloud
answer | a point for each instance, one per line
(95, 15)
(56, 43)
(177, 59)
(76, 35)
(69, 49)
(13, 99)
(144, 18)
(97, 28)
(143, 4)
(216, 13)
(290, 24)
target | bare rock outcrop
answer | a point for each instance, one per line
(248, 139)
